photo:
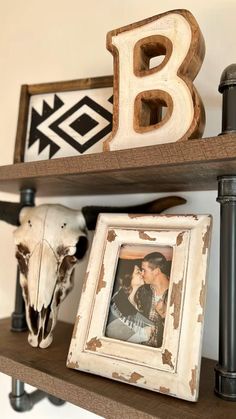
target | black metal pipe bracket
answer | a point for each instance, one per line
(21, 401)
(225, 370)
(18, 321)
(228, 89)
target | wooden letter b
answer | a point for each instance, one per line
(155, 62)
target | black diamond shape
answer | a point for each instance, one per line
(83, 124)
(55, 126)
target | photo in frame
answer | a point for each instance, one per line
(140, 317)
(63, 119)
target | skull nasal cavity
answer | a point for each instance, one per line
(34, 318)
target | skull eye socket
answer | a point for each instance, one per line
(66, 264)
(81, 247)
(21, 255)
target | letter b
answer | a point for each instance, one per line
(155, 102)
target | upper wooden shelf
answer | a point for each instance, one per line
(182, 166)
(46, 369)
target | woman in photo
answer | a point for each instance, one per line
(126, 322)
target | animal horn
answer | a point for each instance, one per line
(9, 212)
(91, 213)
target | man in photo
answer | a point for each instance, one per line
(156, 273)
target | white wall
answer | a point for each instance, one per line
(42, 41)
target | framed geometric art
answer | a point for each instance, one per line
(63, 119)
(140, 317)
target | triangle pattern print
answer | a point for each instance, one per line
(68, 123)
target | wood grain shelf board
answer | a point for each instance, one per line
(46, 370)
(182, 166)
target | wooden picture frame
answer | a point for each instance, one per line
(159, 353)
(55, 127)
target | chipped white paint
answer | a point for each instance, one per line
(170, 366)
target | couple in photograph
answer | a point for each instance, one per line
(138, 307)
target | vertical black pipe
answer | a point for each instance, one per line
(227, 352)
(18, 322)
(228, 88)
(225, 370)
(21, 401)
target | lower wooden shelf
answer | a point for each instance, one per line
(46, 369)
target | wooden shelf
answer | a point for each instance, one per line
(188, 165)
(46, 370)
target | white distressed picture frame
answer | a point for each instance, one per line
(174, 367)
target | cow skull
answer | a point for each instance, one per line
(48, 241)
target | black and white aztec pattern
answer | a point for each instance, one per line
(68, 123)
